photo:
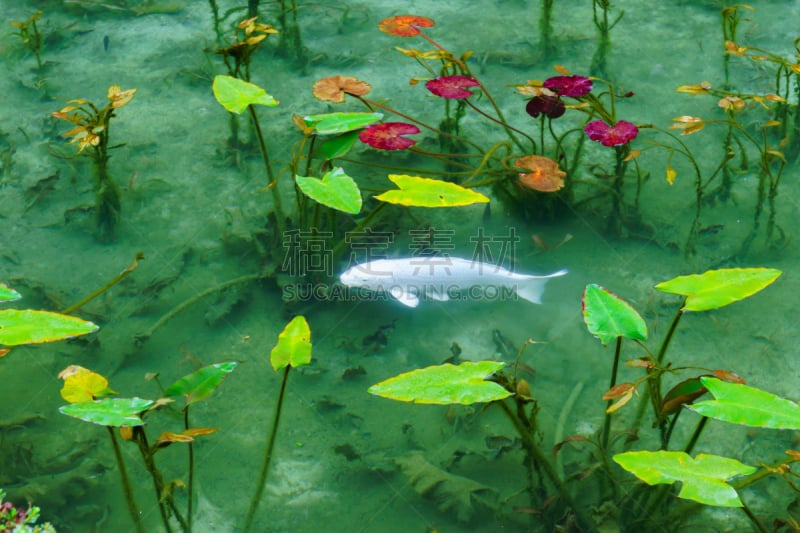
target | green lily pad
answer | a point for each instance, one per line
(200, 384)
(328, 123)
(607, 316)
(445, 384)
(338, 146)
(109, 411)
(294, 345)
(7, 294)
(704, 478)
(28, 326)
(235, 94)
(748, 406)
(426, 192)
(336, 190)
(718, 288)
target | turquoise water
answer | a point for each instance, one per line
(197, 210)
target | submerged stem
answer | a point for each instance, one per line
(262, 479)
(133, 509)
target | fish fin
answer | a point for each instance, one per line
(404, 297)
(532, 287)
(437, 293)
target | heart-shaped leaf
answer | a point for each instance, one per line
(336, 190)
(704, 478)
(28, 326)
(718, 288)
(109, 411)
(235, 94)
(200, 384)
(607, 316)
(7, 294)
(294, 345)
(329, 123)
(445, 384)
(425, 192)
(741, 404)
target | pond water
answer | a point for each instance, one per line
(215, 276)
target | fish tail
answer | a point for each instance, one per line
(532, 287)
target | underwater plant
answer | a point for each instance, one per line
(706, 479)
(16, 520)
(31, 37)
(92, 130)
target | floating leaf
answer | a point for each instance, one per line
(404, 25)
(28, 326)
(425, 192)
(718, 288)
(607, 316)
(336, 147)
(84, 386)
(294, 345)
(741, 404)
(704, 478)
(336, 190)
(235, 94)
(328, 123)
(109, 411)
(7, 294)
(445, 384)
(389, 135)
(201, 384)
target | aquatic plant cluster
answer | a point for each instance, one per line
(570, 149)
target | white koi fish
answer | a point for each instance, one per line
(443, 278)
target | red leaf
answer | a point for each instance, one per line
(404, 25)
(389, 135)
(451, 86)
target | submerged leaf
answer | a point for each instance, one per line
(704, 478)
(445, 384)
(425, 192)
(28, 326)
(336, 190)
(201, 384)
(452, 493)
(294, 345)
(717, 288)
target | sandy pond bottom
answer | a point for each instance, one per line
(345, 460)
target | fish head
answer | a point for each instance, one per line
(357, 277)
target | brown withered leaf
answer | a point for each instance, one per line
(618, 391)
(333, 88)
(730, 377)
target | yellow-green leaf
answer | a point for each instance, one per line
(718, 288)
(84, 386)
(703, 479)
(28, 326)
(445, 384)
(426, 192)
(294, 345)
(7, 294)
(235, 95)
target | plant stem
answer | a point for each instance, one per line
(262, 479)
(158, 481)
(133, 509)
(116, 279)
(273, 182)
(190, 483)
(607, 420)
(696, 435)
(584, 521)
